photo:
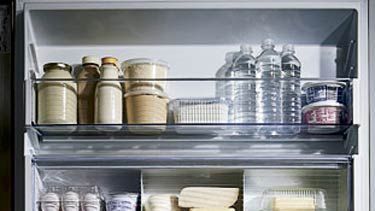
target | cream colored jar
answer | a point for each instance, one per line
(57, 100)
(86, 89)
(108, 95)
(144, 69)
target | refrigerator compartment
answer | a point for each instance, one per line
(87, 140)
(199, 111)
(79, 183)
(326, 189)
(182, 89)
(165, 32)
(157, 182)
(294, 198)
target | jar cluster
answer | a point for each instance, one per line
(96, 95)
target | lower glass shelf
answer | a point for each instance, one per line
(193, 140)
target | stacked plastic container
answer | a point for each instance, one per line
(146, 101)
(325, 104)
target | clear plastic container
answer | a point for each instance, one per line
(122, 202)
(268, 90)
(287, 199)
(91, 199)
(50, 201)
(290, 90)
(220, 85)
(199, 110)
(325, 91)
(144, 68)
(146, 106)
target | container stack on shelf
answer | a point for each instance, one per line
(243, 95)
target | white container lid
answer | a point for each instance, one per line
(326, 83)
(91, 60)
(130, 62)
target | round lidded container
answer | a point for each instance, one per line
(91, 202)
(324, 113)
(57, 100)
(144, 68)
(333, 91)
(70, 200)
(122, 202)
(50, 202)
(146, 106)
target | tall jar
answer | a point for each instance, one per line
(57, 100)
(108, 94)
(86, 89)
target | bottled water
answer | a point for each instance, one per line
(290, 89)
(268, 94)
(242, 92)
(220, 85)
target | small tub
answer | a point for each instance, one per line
(325, 91)
(146, 106)
(324, 113)
(122, 202)
(144, 68)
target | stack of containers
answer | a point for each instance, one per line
(146, 101)
(71, 198)
(325, 104)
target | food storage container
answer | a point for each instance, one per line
(144, 68)
(325, 91)
(91, 201)
(50, 202)
(146, 106)
(57, 100)
(199, 110)
(162, 202)
(324, 113)
(70, 199)
(122, 202)
(294, 199)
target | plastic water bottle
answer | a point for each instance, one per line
(242, 92)
(291, 89)
(268, 94)
(220, 85)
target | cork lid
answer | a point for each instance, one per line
(90, 60)
(109, 60)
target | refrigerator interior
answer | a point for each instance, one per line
(253, 184)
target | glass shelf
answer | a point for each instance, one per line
(195, 141)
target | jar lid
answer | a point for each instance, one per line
(327, 103)
(146, 91)
(325, 83)
(58, 65)
(90, 60)
(130, 62)
(50, 197)
(109, 60)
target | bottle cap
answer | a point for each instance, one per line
(268, 43)
(90, 60)
(109, 60)
(288, 48)
(246, 48)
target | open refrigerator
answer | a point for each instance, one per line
(330, 38)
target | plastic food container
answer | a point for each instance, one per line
(50, 202)
(325, 91)
(324, 113)
(144, 68)
(122, 202)
(146, 106)
(199, 110)
(294, 199)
